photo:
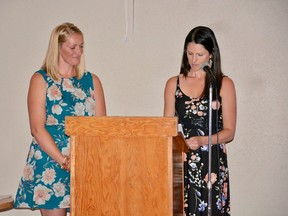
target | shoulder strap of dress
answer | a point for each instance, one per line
(43, 74)
(177, 83)
(87, 80)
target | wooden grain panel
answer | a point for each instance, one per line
(179, 146)
(132, 176)
(121, 126)
(6, 202)
(125, 166)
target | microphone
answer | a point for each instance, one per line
(207, 69)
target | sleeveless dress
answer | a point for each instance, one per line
(193, 114)
(44, 184)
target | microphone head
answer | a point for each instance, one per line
(204, 65)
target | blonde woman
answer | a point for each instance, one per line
(62, 87)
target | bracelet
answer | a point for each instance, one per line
(65, 163)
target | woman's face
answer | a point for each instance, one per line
(197, 55)
(71, 50)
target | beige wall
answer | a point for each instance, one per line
(252, 36)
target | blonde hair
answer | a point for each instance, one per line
(58, 36)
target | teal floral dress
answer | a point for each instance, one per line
(193, 114)
(44, 184)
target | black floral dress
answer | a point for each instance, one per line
(193, 114)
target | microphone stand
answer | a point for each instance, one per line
(209, 183)
(212, 79)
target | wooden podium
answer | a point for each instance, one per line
(6, 202)
(125, 166)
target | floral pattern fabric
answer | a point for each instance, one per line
(193, 114)
(44, 184)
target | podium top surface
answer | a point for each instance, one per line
(121, 126)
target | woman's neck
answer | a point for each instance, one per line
(67, 72)
(195, 74)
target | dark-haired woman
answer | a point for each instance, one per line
(187, 97)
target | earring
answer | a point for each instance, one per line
(210, 62)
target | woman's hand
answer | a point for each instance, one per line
(196, 142)
(66, 163)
